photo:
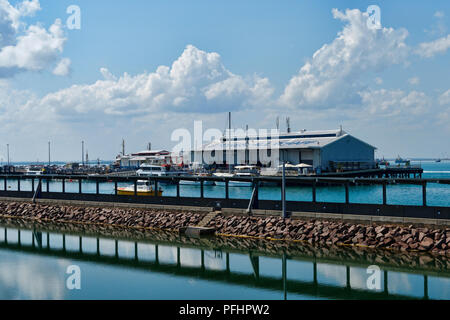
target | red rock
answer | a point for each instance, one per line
(427, 243)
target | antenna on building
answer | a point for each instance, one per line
(123, 147)
(288, 124)
(149, 146)
(278, 123)
(341, 132)
(87, 157)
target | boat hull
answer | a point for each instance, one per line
(140, 193)
(197, 183)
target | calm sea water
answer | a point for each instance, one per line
(34, 262)
(34, 265)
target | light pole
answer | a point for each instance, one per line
(49, 154)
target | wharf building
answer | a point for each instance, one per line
(325, 151)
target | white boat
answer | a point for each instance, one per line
(32, 171)
(156, 171)
(240, 172)
(144, 189)
(197, 183)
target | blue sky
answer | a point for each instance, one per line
(389, 87)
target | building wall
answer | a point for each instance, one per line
(347, 149)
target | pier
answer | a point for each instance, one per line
(40, 189)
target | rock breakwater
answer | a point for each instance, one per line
(331, 233)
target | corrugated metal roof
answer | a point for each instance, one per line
(294, 140)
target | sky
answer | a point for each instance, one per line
(139, 70)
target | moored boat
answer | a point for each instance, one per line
(144, 189)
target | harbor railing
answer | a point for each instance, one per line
(345, 207)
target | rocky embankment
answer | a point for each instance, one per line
(403, 238)
(131, 218)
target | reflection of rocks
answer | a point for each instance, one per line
(319, 232)
(319, 252)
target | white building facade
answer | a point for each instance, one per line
(327, 151)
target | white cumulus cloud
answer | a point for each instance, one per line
(332, 75)
(430, 49)
(414, 81)
(63, 67)
(27, 47)
(196, 82)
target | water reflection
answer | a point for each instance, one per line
(149, 265)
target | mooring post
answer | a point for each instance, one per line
(202, 189)
(63, 185)
(178, 189)
(384, 193)
(97, 187)
(6, 184)
(135, 188)
(347, 193)
(314, 191)
(227, 189)
(424, 193)
(32, 185)
(18, 184)
(156, 188)
(115, 187)
(80, 191)
(48, 185)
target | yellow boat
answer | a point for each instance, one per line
(144, 189)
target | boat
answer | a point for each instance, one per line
(33, 171)
(197, 183)
(144, 189)
(157, 171)
(222, 175)
(244, 172)
(400, 160)
(240, 172)
(438, 160)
